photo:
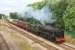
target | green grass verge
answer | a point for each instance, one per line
(72, 34)
(23, 44)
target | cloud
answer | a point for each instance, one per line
(7, 6)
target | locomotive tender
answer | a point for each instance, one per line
(47, 32)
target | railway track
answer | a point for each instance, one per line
(71, 45)
(3, 44)
(68, 46)
(49, 46)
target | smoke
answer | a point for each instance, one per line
(44, 15)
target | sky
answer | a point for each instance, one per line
(7, 6)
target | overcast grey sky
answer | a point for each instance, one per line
(7, 6)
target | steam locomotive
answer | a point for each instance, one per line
(48, 32)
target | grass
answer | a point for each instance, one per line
(72, 34)
(70, 37)
(23, 44)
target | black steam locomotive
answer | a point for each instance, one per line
(48, 32)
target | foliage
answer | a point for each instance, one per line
(14, 15)
(57, 7)
(32, 20)
(1, 15)
(38, 5)
(69, 16)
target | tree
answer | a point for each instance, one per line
(38, 5)
(57, 7)
(1, 16)
(69, 16)
(14, 15)
(33, 21)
